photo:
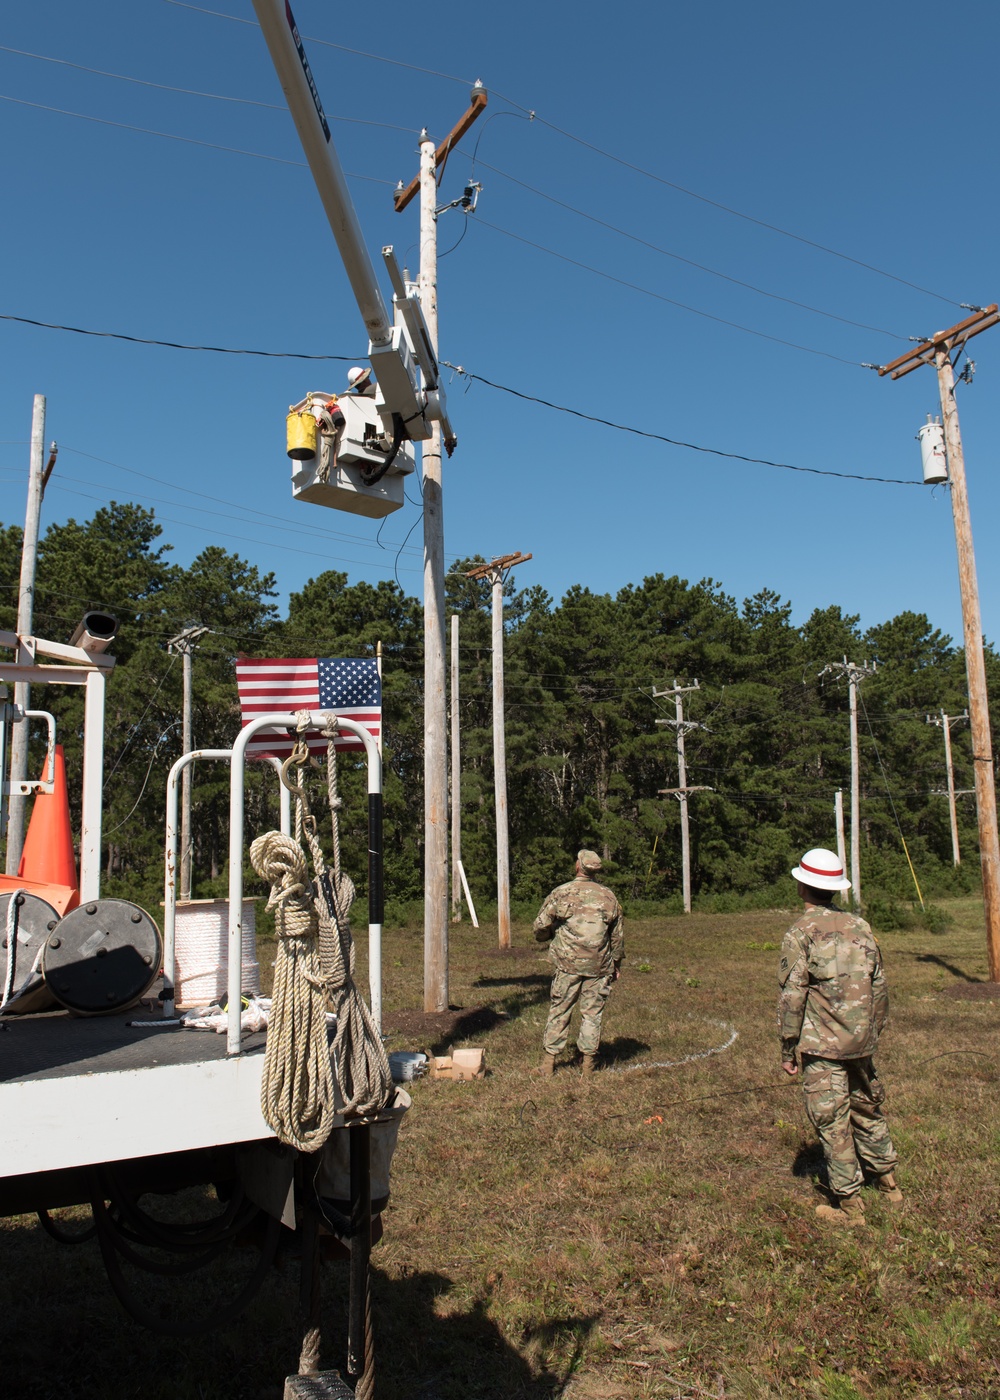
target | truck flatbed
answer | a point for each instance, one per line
(77, 1091)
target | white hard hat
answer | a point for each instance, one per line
(822, 870)
(356, 373)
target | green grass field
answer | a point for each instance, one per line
(649, 1233)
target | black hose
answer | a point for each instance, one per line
(370, 476)
(145, 1316)
(123, 1239)
(198, 1234)
(65, 1236)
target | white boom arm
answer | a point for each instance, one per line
(395, 351)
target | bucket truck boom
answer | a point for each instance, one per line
(409, 395)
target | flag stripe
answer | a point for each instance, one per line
(350, 688)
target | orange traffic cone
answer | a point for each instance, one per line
(47, 857)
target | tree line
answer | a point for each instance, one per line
(586, 759)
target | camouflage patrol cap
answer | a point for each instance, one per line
(589, 861)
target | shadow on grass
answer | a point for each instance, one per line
(948, 967)
(428, 1351)
(809, 1161)
(621, 1049)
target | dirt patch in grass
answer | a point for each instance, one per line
(972, 991)
(437, 1029)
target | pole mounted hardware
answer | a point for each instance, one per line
(478, 99)
(924, 353)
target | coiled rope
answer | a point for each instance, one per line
(314, 973)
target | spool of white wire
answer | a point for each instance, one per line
(201, 942)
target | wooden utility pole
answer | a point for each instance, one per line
(185, 643)
(456, 782)
(682, 791)
(25, 619)
(432, 161)
(938, 351)
(944, 723)
(838, 813)
(435, 741)
(855, 675)
(496, 571)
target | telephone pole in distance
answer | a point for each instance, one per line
(944, 723)
(496, 571)
(855, 675)
(682, 791)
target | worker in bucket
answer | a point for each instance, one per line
(585, 924)
(361, 381)
(832, 1006)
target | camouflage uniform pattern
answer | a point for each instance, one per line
(844, 1104)
(585, 923)
(832, 1006)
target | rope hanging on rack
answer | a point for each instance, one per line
(313, 973)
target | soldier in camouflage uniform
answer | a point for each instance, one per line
(584, 921)
(832, 1006)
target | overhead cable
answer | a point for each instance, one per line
(675, 442)
(194, 92)
(502, 388)
(599, 150)
(172, 136)
(738, 213)
(659, 296)
(245, 539)
(679, 257)
(269, 516)
(174, 344)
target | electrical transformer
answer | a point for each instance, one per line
(932, 452)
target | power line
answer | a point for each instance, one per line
(195, 92)
(533, 115)
(675, 442)
(329, 44)
(738, 213)
(176, 345)
(172, 136)
(679, 257)
(659, 296)
(243, 539)
(221, 501)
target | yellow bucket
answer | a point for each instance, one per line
(301, 433)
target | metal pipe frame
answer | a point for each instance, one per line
(170, 860)
(317, 720)
(30, 785)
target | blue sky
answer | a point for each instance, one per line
(863, 128)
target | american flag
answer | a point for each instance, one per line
(351, 689)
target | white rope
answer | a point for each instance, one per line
(688, 1059)
(314, 973)
(13, 920)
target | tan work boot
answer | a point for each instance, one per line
(547, 1067)
(589, 1065)
(889, 1189)
(850, 1210)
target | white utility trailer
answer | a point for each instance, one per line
(109, 1108)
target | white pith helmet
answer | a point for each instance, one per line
(822, 870)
